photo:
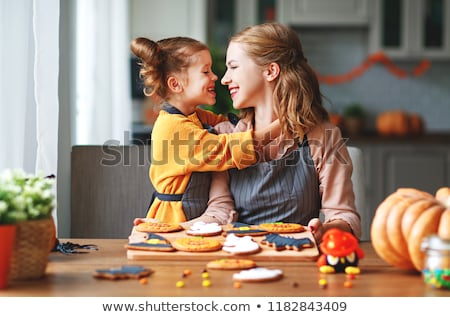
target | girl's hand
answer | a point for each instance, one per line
(137, 221)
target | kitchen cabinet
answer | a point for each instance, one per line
(411, 29)
(323, 12)
(391, 164)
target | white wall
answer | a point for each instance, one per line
(157, 19)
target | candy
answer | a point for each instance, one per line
(348, 284)
(206, 283)
(187, 272)
(143, 281)
(323, 283)
(179, 284)
(205, 275)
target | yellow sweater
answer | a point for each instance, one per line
(180, 145)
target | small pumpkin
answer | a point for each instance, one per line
(399, 123)
(404, 219)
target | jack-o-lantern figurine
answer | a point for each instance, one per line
(340, 253)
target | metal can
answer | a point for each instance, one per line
(436, 271)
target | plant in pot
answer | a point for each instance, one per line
(26, 205)
(354, 118)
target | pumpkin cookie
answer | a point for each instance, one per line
(197, 244)
(203, 229)
(158, 227)
(258, 274)
(231, 264)
(281, 227)
(153, 242)
(280, 243)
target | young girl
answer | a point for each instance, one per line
(178, 71)
(268, 78)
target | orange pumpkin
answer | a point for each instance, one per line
(399, 123)
(404, 219)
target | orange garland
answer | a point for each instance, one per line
(378, 57)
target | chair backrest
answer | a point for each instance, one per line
(359, 189)
(110, 187)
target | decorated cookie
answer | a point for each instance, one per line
(158, 227)
(240, 245)
(203, 229)
(197, 244)
(241, 229)
(281, 227)
(280, 243)
(124, 272)
(258, 274)
(153, 242)
(231, 264)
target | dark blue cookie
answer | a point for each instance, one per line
(124, 272)
(282, 243)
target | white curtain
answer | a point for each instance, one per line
(29, 54)
(103, 102)
(29, 50)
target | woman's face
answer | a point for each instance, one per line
(243, 77)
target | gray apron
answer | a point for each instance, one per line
(284, 190)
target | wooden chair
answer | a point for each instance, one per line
(359, 188)
(110, 187)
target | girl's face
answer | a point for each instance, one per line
(199, 82)
(243, 77)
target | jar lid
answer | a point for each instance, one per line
(434, 242)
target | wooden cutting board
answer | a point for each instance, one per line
(267, 253)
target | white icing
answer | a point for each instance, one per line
(201, 227)
(235, 244)
(257, 273)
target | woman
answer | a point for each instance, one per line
(268, 78)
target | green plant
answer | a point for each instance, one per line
(354, 110)
(25, 197)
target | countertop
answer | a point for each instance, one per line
(72, 275)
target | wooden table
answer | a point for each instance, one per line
(72, 275)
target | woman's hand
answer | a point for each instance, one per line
(317, 229)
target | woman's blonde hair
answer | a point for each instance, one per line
(159, 60)
(297, 96)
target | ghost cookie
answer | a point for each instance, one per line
(240, 245)
(258, 274)
(203, 229)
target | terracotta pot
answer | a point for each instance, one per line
(7, 238)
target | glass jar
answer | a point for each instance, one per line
(436, 271)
